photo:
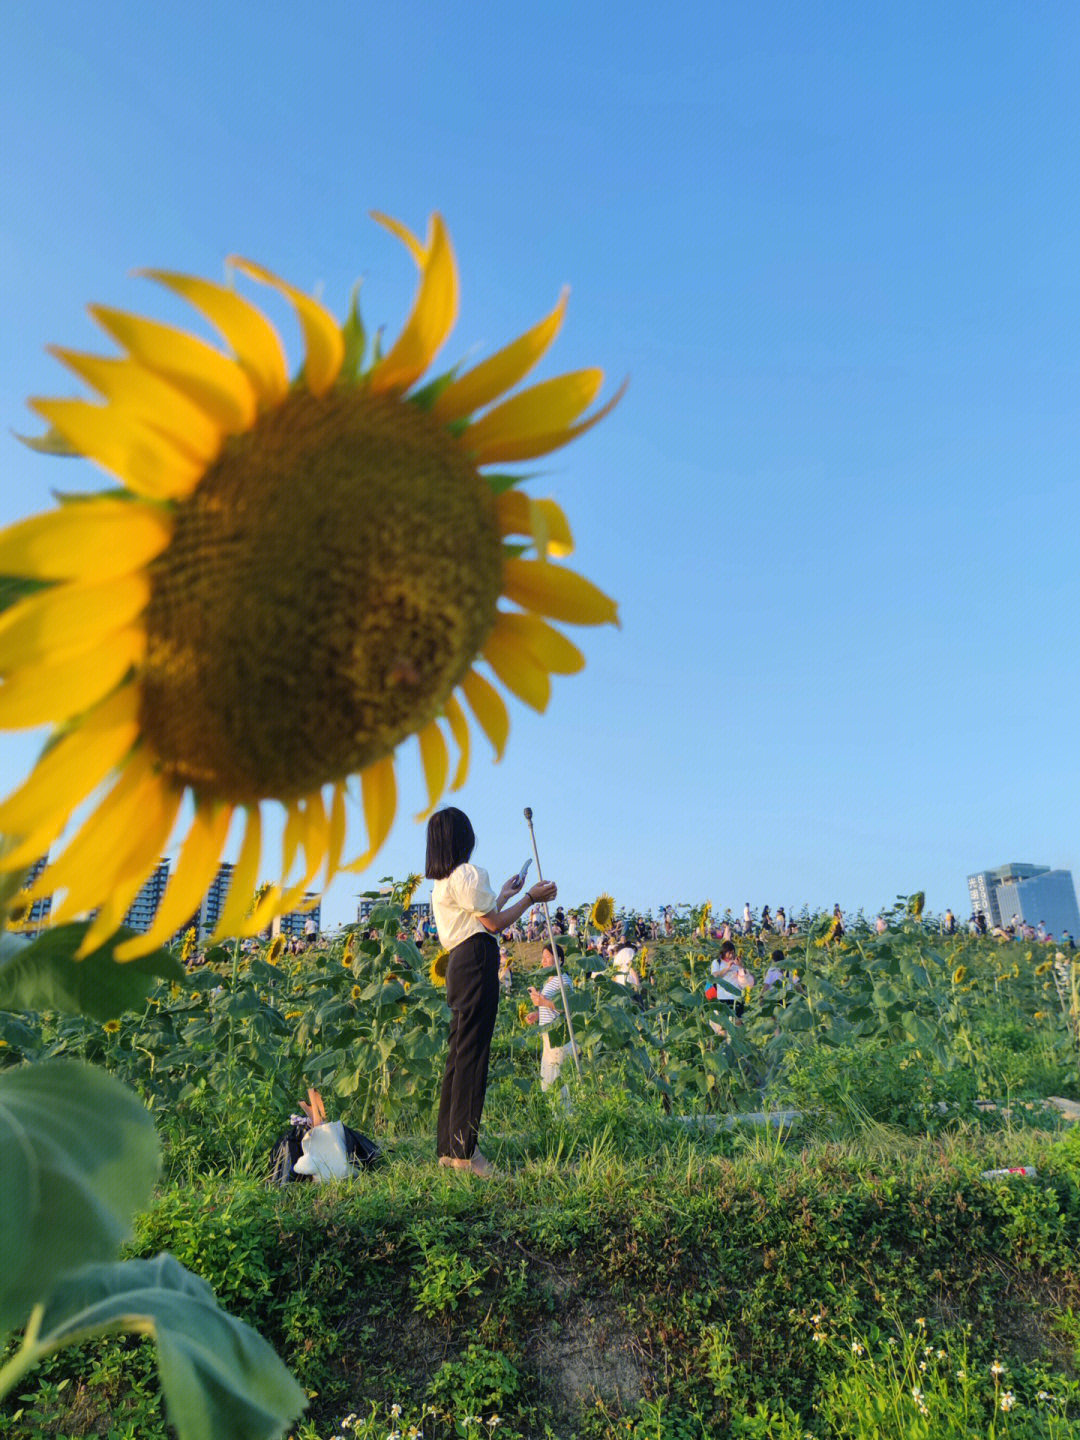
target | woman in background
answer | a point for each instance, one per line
(468, 916)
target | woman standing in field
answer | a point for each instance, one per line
(468, 916)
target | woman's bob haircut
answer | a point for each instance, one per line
(450, 842)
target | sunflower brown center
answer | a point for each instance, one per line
(329, 582)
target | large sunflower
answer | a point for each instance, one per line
(293, 578)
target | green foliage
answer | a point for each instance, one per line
(80, 1156)
(482, 1381)
(218, 1376)
(44, 975)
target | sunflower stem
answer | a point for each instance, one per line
(232, 1021)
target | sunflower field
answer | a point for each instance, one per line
(889, 1043)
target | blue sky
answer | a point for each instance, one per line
(835, 249)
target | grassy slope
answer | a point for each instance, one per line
(631, 1268)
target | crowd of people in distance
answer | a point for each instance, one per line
(1016, 929)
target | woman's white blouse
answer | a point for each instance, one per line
(457, 903)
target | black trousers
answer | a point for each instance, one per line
(472, 992)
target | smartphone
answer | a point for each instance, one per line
(522, 872)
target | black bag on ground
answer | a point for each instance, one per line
(362, 1153)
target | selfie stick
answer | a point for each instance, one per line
(554, 948)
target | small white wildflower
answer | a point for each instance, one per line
(961, 1374)
(997, 1368)
(815, 1319)
(495, 1420)
(927, 1349)
(395, 1410)
(856, 1348)
(923, 1408)
(916, 1394)
(1008, 1400)
(819, 1337)
(920, 1322)
(890, 1340)
(940, 1354)
(922, 1364)
(1044, 1395)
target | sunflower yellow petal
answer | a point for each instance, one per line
(69, 619)
(528, 447)
(551, 528)
(82, 869)
(378, 787)
(551, 405)
(486, 704)
(335, 835)
(196, 867)
(154, 401)
(433, 314)
(500, 372)
(280, 900)
(156, 821)
(436, 762)
(459, 728)
(54, 692)
(548, 646)
(116, 440)
(244, 878)
(518, 514)
(254, 340)
(517, 669)
(415, 248)
(216, 383)
(323, 340)
(557, 592)
(30, 849)
(293, 836)
(75, 766)
(85, 540)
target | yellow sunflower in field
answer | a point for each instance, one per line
(341, 532)
(437, 971)
(603, 912)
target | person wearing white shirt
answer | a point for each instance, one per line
(626, 972)
(468, 915)
(546, 1000)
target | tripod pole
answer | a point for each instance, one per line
(554, 947)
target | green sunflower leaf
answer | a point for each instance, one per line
(355, 337)
(219, 1377)
(16, 587)
(80, 1156)
(51, 443)
(44, 975)
(426, 397)
(501, 483)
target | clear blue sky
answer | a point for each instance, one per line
(837, 249)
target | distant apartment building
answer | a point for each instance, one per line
(1026, 895)
(140, 914)
(36, 918)
(206, 918)
(292, 925)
